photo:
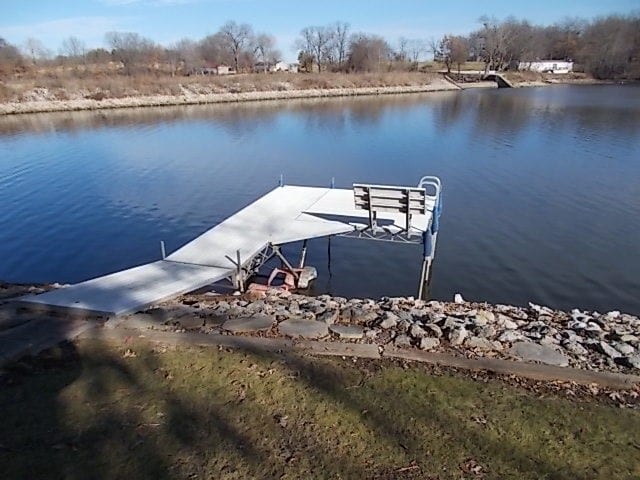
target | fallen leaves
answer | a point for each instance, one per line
(128, 353)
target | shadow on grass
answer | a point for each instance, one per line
(98, 411)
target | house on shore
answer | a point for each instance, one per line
(547, 66)
(281, 67)
(214, 70)
(260, 67)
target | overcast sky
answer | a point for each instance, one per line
(166, 21)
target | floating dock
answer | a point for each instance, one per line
(237, 247)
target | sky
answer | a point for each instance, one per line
(166, 21)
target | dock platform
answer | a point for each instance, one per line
(235, 248)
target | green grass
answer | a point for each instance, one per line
(94, 412)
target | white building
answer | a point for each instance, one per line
(550, 66)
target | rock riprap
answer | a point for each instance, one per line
(589, 340)
(254, 323)
(303, 328)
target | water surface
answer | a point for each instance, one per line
(542, 188)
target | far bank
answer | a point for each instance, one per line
(94, 94)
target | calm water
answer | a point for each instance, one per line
(541, 200)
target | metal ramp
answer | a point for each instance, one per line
(237, 247)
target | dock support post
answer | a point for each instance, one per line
(239, 275)
(303, 254)
(276, 250)
(162, 250)
(424, 277)
(329, 255)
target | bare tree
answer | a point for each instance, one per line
(36, 50)
(10, 57)
(417, 48)
(403, 46)
(458, 50)
(238, 38)
(73, 47)
(611, 47)
(494, 51)
(305, 59)
(213, 49)
(131, 49)
(265, 49)
(340, 42)
(368, 53)
(317, 42)
(181, 55)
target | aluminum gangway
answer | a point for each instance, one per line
(237, 247)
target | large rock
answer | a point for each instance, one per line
(189, 322)
(457, 336)
(483, 317)
(510, 336)
(435, 329)
(429, 343)
(506, 322)
(402, 341)
(532, 352)
(254, 323)
(634, 361)
(303, 328)
(624, 348)
(329, 317)
(487, 331)
(390, 320)
(607, 349)
(416, 331)
(350, 332)
(479, 343)
(575, 348)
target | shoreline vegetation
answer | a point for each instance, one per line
(249, 88)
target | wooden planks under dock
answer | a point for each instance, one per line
(284, 215)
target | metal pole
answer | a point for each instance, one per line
(281, 183)
(303, 254)
(162, 250)
(422, 277)
(333, 182)
(276, 249)
(239, 272)
(329, 255)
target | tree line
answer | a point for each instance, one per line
(606, 47)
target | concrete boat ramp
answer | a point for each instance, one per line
(238, 246)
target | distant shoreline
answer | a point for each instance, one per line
(84, 104)
(44, 106)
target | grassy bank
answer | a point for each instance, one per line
(138, 92)
(96, 411)
(58, 86)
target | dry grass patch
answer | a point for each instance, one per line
(65, 86)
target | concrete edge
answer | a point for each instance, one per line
(533, 371)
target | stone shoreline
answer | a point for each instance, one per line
(586, 340)
(533, 342)
(43, 106)
(189, 98)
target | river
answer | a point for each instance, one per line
(541, 188)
